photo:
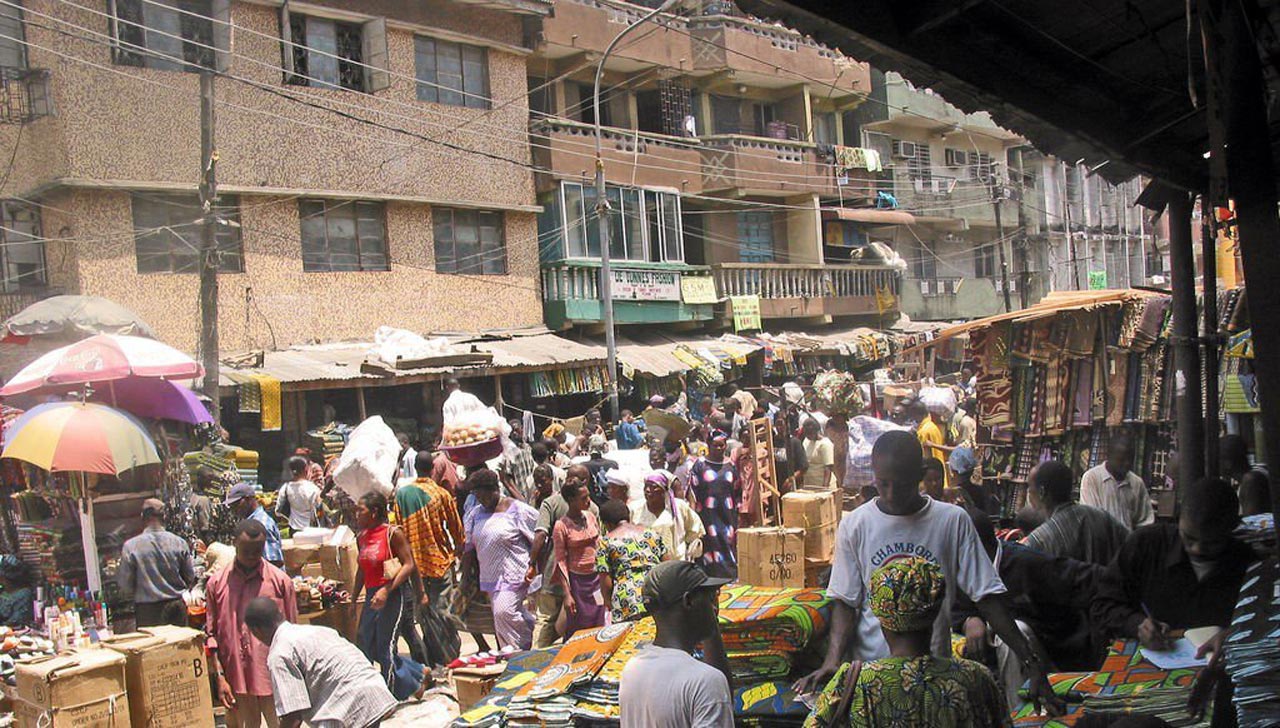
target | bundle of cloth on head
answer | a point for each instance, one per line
(938, 400)
(836, 393)
(863, 433)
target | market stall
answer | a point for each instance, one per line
(1058, 379)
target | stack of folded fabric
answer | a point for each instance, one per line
(768, 705)
(246, 464)
(1253, 649)
(328, 441)
(218, 464)
(755, 618)
(521, 669)
(548, 699)
(598, 698)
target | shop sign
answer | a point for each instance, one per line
(746, 313)
(1097, 280)
(646, 285)
(698, 289)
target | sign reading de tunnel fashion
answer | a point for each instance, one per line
(646, 285)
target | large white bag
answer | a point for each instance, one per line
(369, 461)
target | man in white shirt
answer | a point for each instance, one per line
(663, 686)
(302, 496)
(1113, 488)
(407, 469)
(902, 522)
(820, 454)
(316, 675)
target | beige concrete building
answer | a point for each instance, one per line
(421, 214)
(719, 139)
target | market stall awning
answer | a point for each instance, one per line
(343, 364)
(1051, 304)
(868, 215)
(654, 354)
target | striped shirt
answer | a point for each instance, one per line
(155, 566)
(431, 523)
(314, 671)
(1079, 532)
(1127, 501)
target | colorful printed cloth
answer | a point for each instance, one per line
(715, 498)
(754, 704)
(626, 560)
(906, 593)
(642, 633)
(521, 670)
(577, 662)
(925, 691)
(757, 665)
(756, 618)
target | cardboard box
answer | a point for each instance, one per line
(771, 557)
(817, 513)
(813, 572)
(471, 684)
(168, 677)
(297, 556)
(85, 689)
(340, 563)
(312, 570)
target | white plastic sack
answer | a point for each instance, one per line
(369, 461)
(391, 344)
(863, 433)
(465, 410)
(938, 400)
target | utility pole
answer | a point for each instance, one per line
(1024, 265)
(1071, 238)
(997, 193)
(209, 259)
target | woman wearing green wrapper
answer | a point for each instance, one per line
(911, 687)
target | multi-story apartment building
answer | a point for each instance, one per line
(720, 133)
(947, 169)
(373, 162)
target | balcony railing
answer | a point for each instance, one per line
(765, 164)
(12, 302)
(772, 280)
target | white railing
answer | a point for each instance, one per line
(772, 280)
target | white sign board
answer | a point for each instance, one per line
(646, 285)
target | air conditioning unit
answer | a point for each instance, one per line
(904, 150)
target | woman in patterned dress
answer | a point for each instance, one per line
(500, 537)
(627, 552)
(911, 687)
(713, 482)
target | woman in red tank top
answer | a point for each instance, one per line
(387, 597)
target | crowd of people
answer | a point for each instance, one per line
(556, 537)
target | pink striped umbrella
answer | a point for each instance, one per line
(103, 358)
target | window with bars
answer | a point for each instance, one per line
(470, 242)
(329, 53)
(452, 73)
(920, 167)
(168, 233)
(343, 236)
(171, 35)
(22, 261)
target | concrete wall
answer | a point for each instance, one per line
(299, 306)
(120, 125)
(976, 298)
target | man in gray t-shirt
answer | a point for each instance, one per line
(551, 597)
(663, 685)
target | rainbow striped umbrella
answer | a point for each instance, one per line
(79, 437)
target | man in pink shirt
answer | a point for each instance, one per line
(240, 659)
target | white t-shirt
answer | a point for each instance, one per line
(939, 532)
(663, 687)
(820, 453)
(304, 497)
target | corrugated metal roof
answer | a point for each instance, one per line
(341, 362)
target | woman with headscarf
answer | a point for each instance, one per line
(626, 554)
(500, 537)
(911, 686)
(386, 567)
(962, 462)
(672, 518)
(744, 460)
(17, 600)
(575, 537)
(713, 481)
